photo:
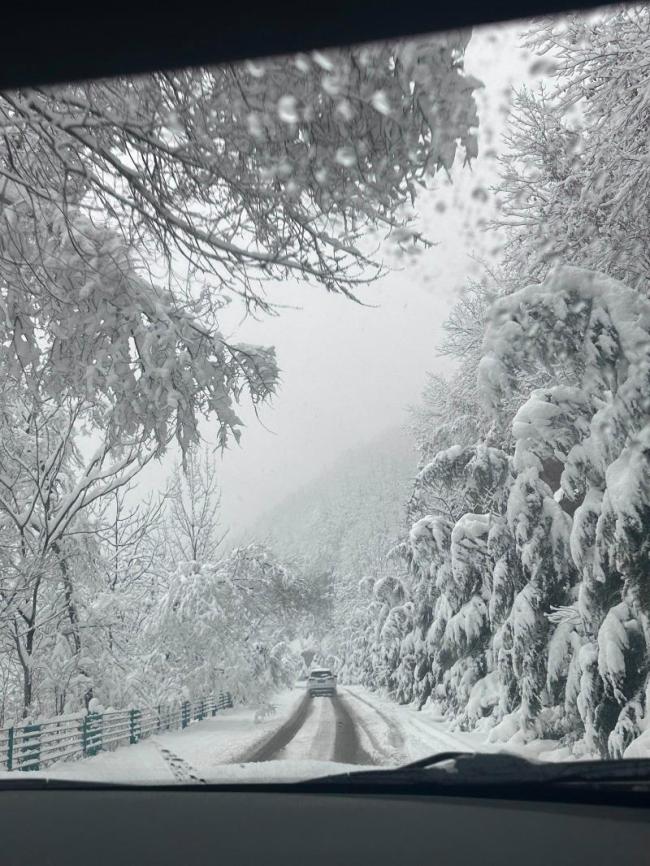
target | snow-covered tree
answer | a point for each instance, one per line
(92, 328)
(594, 423)
(191, 531)
(52, 490)
(250, 170)
(450, 411)
(575, 182)
(228, 623)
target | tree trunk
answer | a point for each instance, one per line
(73, 616)
(25, 653)
(27, 691)
(26, 650)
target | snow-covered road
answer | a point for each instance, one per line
(315, 739)
(307, 737)
(304, 739)
(322, 729)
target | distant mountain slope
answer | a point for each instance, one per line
(349, 515)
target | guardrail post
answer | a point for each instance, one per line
(225, 701)
(185, 714)
(159, 725)
(92, 733)
(134, 726)
(10, 749)
(31, 748)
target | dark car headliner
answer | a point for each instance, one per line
(75, 40)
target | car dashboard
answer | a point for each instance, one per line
(109, 826)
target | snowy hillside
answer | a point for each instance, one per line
(347, 517)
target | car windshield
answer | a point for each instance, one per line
(325, 428)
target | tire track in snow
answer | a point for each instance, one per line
(324, 729)
(430, 738)
(347, 744)
(397, 751)
(282, 736)
(436, 739)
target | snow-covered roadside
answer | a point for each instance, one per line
(205, 746)
(407, 734)
(399, 734)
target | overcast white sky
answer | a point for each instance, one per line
(349, 372)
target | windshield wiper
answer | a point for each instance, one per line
(498, 767)
(501, 774)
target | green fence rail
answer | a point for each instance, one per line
(39, 744)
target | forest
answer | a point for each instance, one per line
(518, 600)
(497, 572)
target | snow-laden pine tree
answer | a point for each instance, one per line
(562, 650)
(425, 554)
(449, 557)
(593, 334)
(529, 573)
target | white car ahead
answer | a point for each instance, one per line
(321, 682)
